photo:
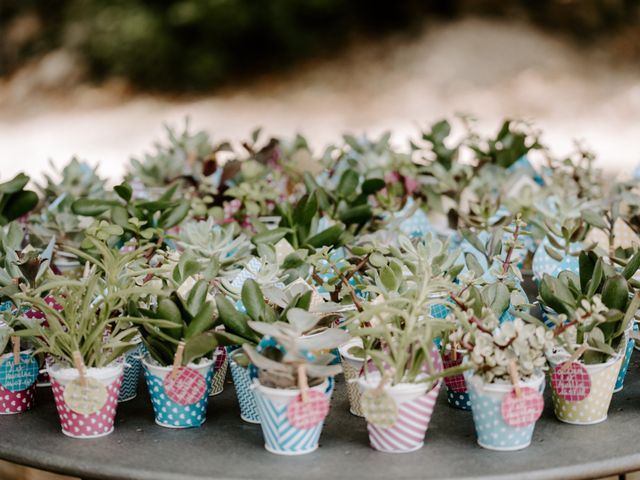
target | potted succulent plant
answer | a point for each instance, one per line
(270, 305)
(402, 381)
(85, 344)
(178, 368)
(121, 271)
(18, 367)
(506, 381)
(291, 379)
(594, 313)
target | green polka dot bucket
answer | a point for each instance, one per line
(595, 406)
(486, 406)
(169, 413)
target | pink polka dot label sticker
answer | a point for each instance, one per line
(309, 412)
(571, 381)
(17, 377)
(524, 409)
(379, 408)
(185, 386)
(85, 398)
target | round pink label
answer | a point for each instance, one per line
(309, 413)
(523, 410)
(571, 382)
(186, 387)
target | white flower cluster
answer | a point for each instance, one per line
(491, 350)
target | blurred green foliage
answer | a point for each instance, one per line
(199, 44)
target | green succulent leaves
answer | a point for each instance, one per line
(15, 201)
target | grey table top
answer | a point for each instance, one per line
(226, 447)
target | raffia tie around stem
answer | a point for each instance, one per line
(576, 355)
(177, 360)
(515, 378)
(79, 364)
(388, 375)
(15, 341)
(303, 383)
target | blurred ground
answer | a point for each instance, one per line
(490, 69)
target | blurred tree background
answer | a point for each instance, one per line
(203, 44)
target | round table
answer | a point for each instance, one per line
(225, 447)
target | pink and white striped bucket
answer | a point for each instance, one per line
(94, 425)
(415, 407)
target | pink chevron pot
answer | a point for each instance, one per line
(415, 407)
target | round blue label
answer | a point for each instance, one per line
(21, 376)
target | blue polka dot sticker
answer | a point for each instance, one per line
(169, 413)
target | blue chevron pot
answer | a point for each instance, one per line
(169, 413)
(627, 359)
(280, 437)
(132, 369)
(244, 392)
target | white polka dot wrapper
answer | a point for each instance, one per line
(493, 432)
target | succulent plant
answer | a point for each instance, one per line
(594, 307)
(15, 201)
(23, 269)
(82, 321)
(77, 179)
(188, 156)
(266, 305)
(395, 330)
(184, 313)
(123, 218)
(493, 347)
(222, 245)
(279, 366)
(300, 226)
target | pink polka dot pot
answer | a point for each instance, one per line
(87, 425)
(17, 395)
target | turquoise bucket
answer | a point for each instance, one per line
(169, 413)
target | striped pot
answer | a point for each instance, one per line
(244, 392)
(280, 437)
(627, 359)
(352, 367)
(132, 369)
(415, 408)
(92, 425)
(595, 407)
(219, 371)
(486, 405)
(457, 394)
(169, 413)
(17, 401)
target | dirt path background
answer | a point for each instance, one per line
(490, 69)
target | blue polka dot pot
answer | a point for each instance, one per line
(132, 369)
(486, 401)
(169, 413)
(280, 436)
(459, 400)
(244, 392)
(625, 362)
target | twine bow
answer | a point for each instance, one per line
(79, 364)
(177, 360)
